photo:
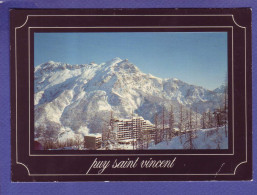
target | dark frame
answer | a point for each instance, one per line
(190, 165)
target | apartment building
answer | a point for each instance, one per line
(134, 128)
(93, 142)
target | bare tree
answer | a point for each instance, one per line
(147, 139)
(132, 132)
(69, 142)
(190, 135)
(156, 129)
(187, 120)
(218, 138)
(190, 119)
(171, 123)
(163, 134)
(106, 134)
(210, 125)
(196, 118)
(140, 137)
(109, 139)
(78, 141)
(181, 123)
(225, 106)
(47, 137)
(204, 120)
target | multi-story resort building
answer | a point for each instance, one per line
(135, 130)
(93, 142)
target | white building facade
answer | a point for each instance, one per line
(139, 131)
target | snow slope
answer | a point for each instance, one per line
(205, 139)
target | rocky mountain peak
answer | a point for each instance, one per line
(78, 98)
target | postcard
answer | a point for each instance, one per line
(131, 94)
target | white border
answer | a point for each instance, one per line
(27, 18)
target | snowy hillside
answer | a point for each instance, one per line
(204, 139)
(78, 99)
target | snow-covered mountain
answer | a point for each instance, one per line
(220, 89)
(79, 98)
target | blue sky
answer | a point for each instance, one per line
(198, 58)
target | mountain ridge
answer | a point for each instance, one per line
(79, 98)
